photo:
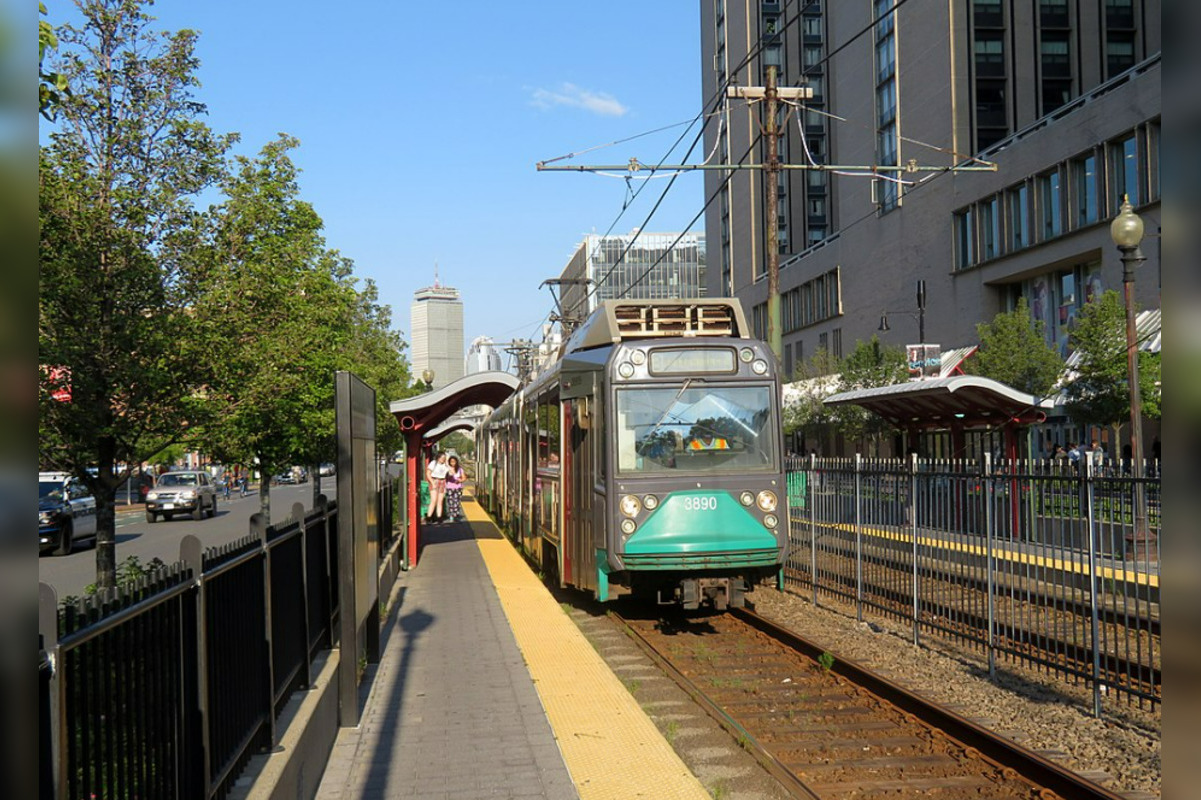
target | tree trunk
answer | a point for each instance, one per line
(106, 538)
(104, 490)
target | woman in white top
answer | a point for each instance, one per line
(436, 472)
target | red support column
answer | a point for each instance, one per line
(414, 470)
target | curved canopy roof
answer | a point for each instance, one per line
(967, 400)
(450, 426)
(426, 412)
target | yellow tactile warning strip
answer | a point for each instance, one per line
(1025, 559)
(611, 747)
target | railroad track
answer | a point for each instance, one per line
(1140, 681)
(829, 729)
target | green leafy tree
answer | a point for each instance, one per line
(51, 85)
(814, 380)
(119, 378)
(1014, 351)
(1098, 394)
(282, 314)
(872, 363)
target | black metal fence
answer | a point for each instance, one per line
(167, 689)
(1027, 561)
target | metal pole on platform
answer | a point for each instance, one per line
(1127, 232)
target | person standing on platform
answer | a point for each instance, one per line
(437, 477)
(454, 490)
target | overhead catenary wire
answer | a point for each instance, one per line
(717, 101)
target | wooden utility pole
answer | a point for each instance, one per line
(771, 94)
(770, 170)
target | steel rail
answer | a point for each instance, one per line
(1007, 754)
(787, 778)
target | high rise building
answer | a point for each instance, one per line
(482, 356)
(635, 265)
(1064, 97)
(436, 319)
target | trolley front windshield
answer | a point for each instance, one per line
(696, 428)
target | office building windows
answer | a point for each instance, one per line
(1053, 13)
(990, 53)
(990, 228)
(1084, 189)
(1019, 217)
(965, 239)
(1119, 14)
(1119, 36)
(1055, 56)
(1124, 172)
(836, 340)
(987, 13)
(1119, 52)
(1050, 211)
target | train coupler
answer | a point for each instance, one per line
(721, 593)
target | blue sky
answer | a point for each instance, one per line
(421, 123)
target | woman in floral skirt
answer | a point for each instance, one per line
(454, 489)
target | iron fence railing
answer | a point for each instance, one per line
(166, 689)
(1035, 562)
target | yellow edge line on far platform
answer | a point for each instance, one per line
(1131, 576)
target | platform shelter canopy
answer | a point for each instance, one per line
(967, 401)
(426, 412)
(450, 426)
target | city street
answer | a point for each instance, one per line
(136, 537)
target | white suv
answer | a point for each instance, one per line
(182, 491)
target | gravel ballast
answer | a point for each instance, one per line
(1040, 711)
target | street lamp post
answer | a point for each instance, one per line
(919, 315)
(427, 376)
(1127, 232)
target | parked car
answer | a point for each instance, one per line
(325, 470)
(182, 491)
(66, 513)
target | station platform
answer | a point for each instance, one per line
(486, 689)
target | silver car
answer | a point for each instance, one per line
(183, 491)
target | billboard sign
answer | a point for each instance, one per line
(925, 360)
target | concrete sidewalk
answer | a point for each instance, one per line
(452, 712)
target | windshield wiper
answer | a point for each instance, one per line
(655, 428)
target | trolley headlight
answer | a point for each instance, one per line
(630, 505)
(625, 369)
(766, 501)
(759, 367)
(771, 521)
(746, 354)
(651, 502)
(746, 498)
(628, 526)
(638, 357)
